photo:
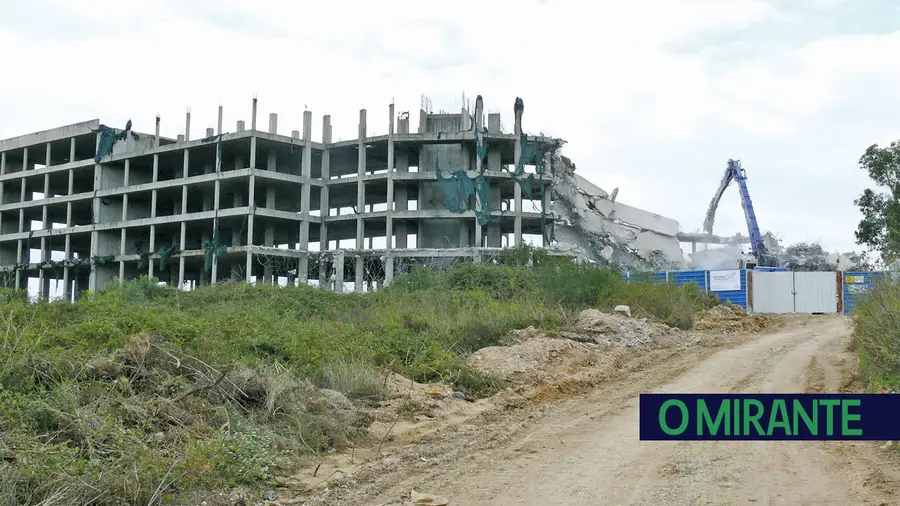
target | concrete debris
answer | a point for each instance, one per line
(433, 500)
(590, 223)
(797, 257)
(623, 309)
(727, 257)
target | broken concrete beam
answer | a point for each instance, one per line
(637, 217)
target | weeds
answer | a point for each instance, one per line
(141, 393)
(876, 336)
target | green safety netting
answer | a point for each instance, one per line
(165, 253)
(213, 248)
(102, 260)
(54, 265)
(533, 154)
(108, 139)
(75, 262)
(460, 190)
(457, 190)
(145, 260)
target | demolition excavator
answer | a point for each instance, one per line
(760, 252)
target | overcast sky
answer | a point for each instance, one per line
(653, 96)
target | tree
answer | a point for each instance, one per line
(879, 228)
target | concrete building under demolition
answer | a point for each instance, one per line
(100, 203)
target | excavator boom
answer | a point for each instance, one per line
(734, 172)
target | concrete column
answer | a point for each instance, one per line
(21, 280)
(123, 237)
(269, 232)
(306, 174)
(240, 126)
(184, 196)
(339, 271)
(360, 200)
(153, 215)
(273, 123)
(43, 278)
(251, 200)
(517, 190)
(253, 117)
(389, 221)
(269, 239)
(323, 196)
(479, 137)
(95, 236)
(187, 125)
(360, 186)
(219, 123)
(67, 274)
(216, 199)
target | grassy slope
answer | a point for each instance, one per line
(876, 336)
(140, 391)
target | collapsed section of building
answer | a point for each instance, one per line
(591, 224)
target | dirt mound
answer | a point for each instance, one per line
(534, 356)
(618, 330)
(530, 359)
(730, 318)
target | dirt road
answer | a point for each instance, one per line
(586, 450)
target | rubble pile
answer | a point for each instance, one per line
(592, 225)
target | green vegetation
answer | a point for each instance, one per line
(879, 228)
(140, 394)
(876, 336)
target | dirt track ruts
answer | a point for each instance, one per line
(586, 451)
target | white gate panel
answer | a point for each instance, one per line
(773, 292)
(816, 292)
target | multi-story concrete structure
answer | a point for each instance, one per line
(254, 204)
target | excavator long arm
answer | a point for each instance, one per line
(711, 211)
(733, 171)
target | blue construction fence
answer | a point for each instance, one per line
(729, 285)
(856, 284)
